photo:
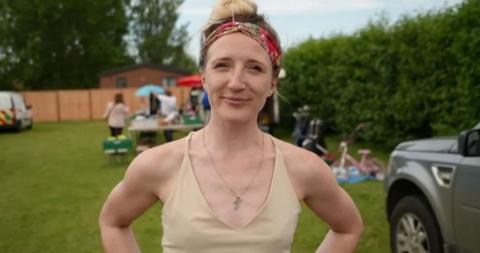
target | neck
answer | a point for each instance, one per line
(232, 136)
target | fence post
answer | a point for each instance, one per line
(90, 107)
(58, 105)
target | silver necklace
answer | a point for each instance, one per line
(238, 196)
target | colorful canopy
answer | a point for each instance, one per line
(147, 89)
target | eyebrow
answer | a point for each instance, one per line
(221, 59)
(257, 62)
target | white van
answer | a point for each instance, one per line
(14, 113)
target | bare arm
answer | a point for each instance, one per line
(127, 201)
(332, 204)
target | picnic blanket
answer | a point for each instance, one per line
(351, 175)
(353, 179)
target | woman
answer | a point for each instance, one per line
(229, 187)
(116, 114)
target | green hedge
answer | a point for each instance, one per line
(415, 78)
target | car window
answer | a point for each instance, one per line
(18, 101)
(5, 101)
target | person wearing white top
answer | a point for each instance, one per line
(116, 114)
(168, 109)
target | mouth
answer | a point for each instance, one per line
(235, 100)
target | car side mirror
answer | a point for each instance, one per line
(469, 143)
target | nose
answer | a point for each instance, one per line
(237, 80)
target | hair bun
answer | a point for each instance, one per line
(224, 9)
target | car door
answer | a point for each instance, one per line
(20, 109)
(467, 203)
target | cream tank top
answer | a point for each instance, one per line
(189, 225)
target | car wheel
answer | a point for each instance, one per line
(413, 227)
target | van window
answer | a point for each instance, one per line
(5, 101)
(18, 102)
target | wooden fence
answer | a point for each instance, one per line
(88, 104)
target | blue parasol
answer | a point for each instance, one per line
(149, 88)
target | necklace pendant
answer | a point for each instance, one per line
(236, 203)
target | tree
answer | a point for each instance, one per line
(416, 78)
(47, 44)
(157, 38)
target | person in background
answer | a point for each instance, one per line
(205, 107)
(195, 94)
(169, 112)
(116, 115)
(230, 187)
(153, 104)
(302, 124)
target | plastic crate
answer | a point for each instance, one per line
(119, 145)
(192, 120)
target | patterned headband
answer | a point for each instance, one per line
(259, 34)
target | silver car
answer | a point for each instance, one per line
(433, 195)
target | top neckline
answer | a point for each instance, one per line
(207, 204)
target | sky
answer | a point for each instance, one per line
(297, 20)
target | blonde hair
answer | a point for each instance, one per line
(225, 9)
(236, 10)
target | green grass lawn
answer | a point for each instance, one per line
(55, 178)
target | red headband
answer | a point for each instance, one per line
(259, 34)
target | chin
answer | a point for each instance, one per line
(237, 116)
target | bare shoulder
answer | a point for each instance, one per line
(306, 170)
(159, 159)
(301, 161)
(154, 168)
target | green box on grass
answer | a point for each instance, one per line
(117, 145)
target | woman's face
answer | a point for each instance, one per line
(238, 77)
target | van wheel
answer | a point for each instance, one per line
(413, 227)
(17, 126)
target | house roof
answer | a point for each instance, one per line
(144, 65)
